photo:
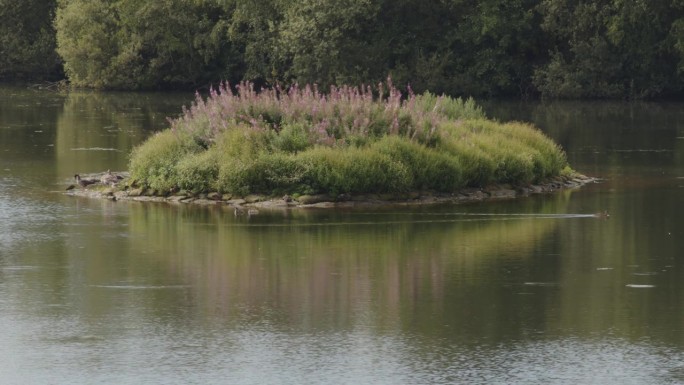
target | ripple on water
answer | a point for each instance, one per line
(141, 287)
(19, 268)
(575, 361)
(543, 284)
(24, 219)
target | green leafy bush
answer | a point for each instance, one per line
(198, 172)
(430, 169)
(300, 141)
(354, 170)
(269, 173)
(292, 138)
(154, 163)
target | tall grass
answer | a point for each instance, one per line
(338, 117)
(348, 140)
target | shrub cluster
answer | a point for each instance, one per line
(522, 48)
(350, 140)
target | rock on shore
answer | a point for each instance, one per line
(122, 190)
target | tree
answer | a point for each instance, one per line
(609, 49)
(496, 45)
(27, 40)
(327, 42)
(128, 44)
(253, 31)
(86, 31)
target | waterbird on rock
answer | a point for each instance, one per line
(84, 182)
(109, 178)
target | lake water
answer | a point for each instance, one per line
(530, 291)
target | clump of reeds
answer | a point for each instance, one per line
(349, 140)
(342, 115)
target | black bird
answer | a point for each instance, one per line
(84, 182)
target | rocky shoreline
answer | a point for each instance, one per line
(121, 190)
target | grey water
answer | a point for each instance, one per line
(528, 291)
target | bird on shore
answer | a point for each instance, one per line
(108, 178)
(84, 182)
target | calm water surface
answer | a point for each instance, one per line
(525, 291)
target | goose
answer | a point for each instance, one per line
(238, 211)
(84, 182)
(109, 178)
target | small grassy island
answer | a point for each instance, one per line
(300, 143)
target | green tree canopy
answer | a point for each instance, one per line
(27, 40)
(132, 44)
(610, 48)
(548, 48)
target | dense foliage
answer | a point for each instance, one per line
(300, 141)
(611, 48)
(129, 44)
(552, 48)
(27, 40)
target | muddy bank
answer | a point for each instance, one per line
(103, 186)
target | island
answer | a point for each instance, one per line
(347, 146)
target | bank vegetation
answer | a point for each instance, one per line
(348, 140)
(489, 48)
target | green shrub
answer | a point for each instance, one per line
(154, 162)
(236, 151)
(292, 138)
(234, 177)
(268, 173)
(551, 158)
(243, 142)
(198, 172)
(546, 157)
(493, 152)
(478, 167)
(354, 170)
(513, 162)
(430, 169)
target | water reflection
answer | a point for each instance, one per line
(96, 131)
(44, 135)
(306, 262)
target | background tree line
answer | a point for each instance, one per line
(486, 48)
